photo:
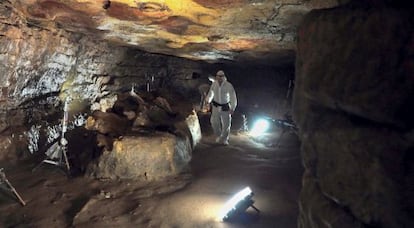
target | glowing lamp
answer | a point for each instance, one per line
(237, 204)
(260, 127)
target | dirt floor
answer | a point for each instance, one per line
(190, 200)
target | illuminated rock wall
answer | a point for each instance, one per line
(196, 29)
(41, 66)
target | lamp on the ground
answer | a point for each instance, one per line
(260, 126)
(265, 124)
(237, 204)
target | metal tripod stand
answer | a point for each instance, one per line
(3, 179)
(57, 153)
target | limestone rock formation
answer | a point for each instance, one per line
(353, 91)
(237, 30)
(352, 99)
(159, 147)
(42, 66)
(145, 157)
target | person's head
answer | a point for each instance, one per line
(220, 76)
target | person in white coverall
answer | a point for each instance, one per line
(224, 102)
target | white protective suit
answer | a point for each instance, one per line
(221, 120)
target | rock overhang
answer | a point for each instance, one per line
(248, 31)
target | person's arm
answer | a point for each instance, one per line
(233, 99)
(210, 94)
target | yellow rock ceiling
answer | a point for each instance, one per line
(211, 30)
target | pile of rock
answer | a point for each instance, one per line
(144, 136)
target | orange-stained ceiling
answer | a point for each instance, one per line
(211, 30)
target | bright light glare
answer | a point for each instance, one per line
(259, 127)
(231, 204)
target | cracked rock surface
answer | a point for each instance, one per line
(235, 30)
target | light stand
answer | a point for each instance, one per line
(3, 179)
(150, 82)
(57, 153)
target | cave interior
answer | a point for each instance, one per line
(123, 81)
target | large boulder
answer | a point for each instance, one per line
(148, 157)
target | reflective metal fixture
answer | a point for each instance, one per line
(238, 204)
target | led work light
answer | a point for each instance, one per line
(237, 204)
(260, 126)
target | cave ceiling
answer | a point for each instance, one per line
(256, 31)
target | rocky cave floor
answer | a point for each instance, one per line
(191, 199)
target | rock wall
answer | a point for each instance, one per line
(40, 65)
(352, 103)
